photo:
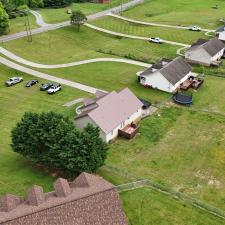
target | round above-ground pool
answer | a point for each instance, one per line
(182, 99)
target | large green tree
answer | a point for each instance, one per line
(4, 20)
(52, 140)
(78, 18)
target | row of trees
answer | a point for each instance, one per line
(52, 140)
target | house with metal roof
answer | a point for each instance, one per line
(113, 113)
(206, 52)
(166, 75)
(221, 33)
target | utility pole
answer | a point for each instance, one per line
(28, 29)
(121, 9)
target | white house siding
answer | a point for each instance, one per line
(182, 80)
(218, 56)
(84, 121)
(222, 36)
(199, 56)
(134, 117)
(158, 81)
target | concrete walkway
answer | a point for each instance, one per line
(18, 59)
(71, 103)
(45, 76)
(22, 34)
(131, 36)
(39, 19)
(153, 24)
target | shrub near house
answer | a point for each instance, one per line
(52, 140)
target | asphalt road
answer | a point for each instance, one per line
(49, 27)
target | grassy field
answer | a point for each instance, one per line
(60, 15)
(181, 149)
(170, 34)
(18, 24)
(109, 76)
(17, 174)
(178, 12)
(145, 206)
(67, 45)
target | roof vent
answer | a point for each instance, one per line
(83, 180)
(9, 202)
(62, 187)
(36, 195)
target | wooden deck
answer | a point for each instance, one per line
(129, 131)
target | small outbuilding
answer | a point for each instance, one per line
(166, 75)
(114, 113)
(221, 33)
(206, 52)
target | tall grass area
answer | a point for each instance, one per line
(67, 45)
(178, 148)
(170, 34)
(184, 13)
(146, 206)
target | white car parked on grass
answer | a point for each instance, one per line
(156, 40)
(54, 88)
(13, 81)
(195, 28)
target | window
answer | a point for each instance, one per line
(112, 132)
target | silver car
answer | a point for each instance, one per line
(13, 81)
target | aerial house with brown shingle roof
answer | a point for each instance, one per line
(88, 200)
(114, 113)
(166, 75)
(206, 52)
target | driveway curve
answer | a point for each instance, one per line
(94, 16)
(153, 24)
(18, 59)
(39, 19)
(131, 36)
(46, 76)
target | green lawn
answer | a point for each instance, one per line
(211, 95)
(109, 76)
(67, 45)
(17, 174)
(60, 15)
(185, 13)
(146, 206)
(170, 34)
(181, 149)
(18, 24)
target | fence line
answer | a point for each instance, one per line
(139, 183)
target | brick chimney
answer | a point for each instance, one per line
(36, 195)
(62, 188)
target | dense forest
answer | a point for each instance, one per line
(10, 9)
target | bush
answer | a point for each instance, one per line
(52, 140)
(4, 20)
